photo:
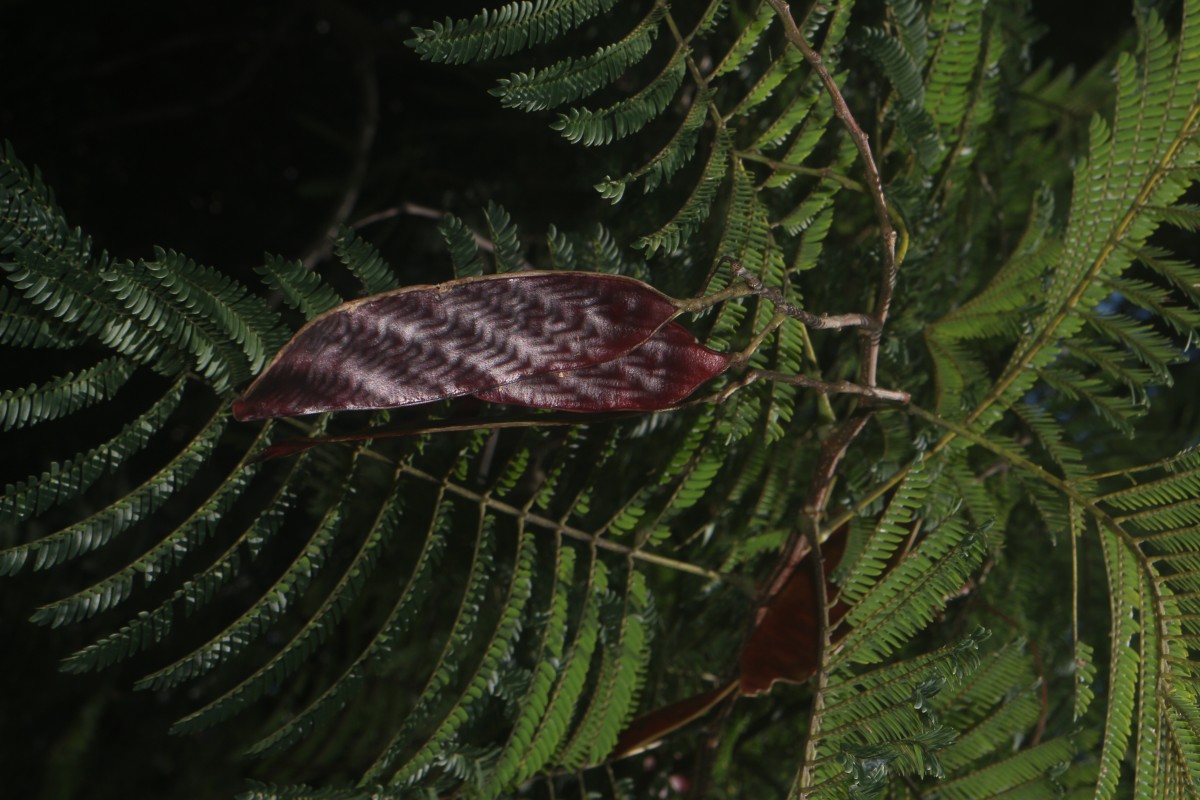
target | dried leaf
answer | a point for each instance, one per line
(426, 343)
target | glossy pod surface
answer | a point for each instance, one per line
(426, 343)
(663, 370)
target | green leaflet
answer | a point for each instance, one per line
(504, 237)
(695, 209)
(21, 326)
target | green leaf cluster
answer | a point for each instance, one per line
(486, 610)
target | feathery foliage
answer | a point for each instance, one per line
(488, 608)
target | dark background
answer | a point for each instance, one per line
(225, 130)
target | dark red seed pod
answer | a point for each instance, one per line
(426, 343)
(659, 373)
(786, 644)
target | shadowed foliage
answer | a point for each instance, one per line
(1000, 582)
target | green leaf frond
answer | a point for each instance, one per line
(372, 659)
(909, 19)
(958, 41)
(301, 288)
(865, 561)
(927, 577)
(618, 679)
(482, 682)
(149, 628)
(626, 116)
(31, 223)
(897, 691)
(21, 326)
(364, 262)
(68, 479)
(464, 250)
(256, 620)
(63, 396)
(575, 78)
(507, 244)
(505, 30)
(159, 559)
(73, 294)
(903, 70)
(748, 38)
(696, 208)
(471, 612)
(677, 152)
(229, 332)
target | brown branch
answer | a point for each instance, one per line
(836, 387)
(1039, 667)
(874, 187)
(811, 320)
(369, 126)
(425, 212)
(834, 448)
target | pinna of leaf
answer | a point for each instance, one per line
(564, 341)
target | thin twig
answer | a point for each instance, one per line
(891, 396)
(834, 447)
(358, 171)
(418, 210)
(824, 173)
(836, 387)
(874, 187)
(811, 320)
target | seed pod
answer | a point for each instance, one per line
(426, 343)
(786, 644)
(657, 374)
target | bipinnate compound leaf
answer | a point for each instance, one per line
(426, 343)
